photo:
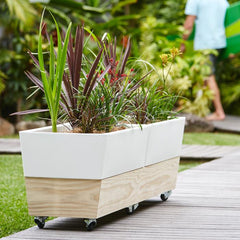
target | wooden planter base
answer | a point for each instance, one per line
(95, 198)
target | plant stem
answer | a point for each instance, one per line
(54, 126)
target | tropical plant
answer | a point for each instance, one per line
(102, 16)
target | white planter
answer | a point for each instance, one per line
(81, 156)
(165, 140)
(91, 175)
(98, 156)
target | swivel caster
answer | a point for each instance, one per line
(132, 208)
(90, 224)
(165, 196)
(40, 221)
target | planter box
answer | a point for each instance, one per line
(164, 141)
(81, 156)
(91, 175)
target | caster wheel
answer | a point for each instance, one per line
(132, 208)
(165, 196)
(40, 221)
(90, 224)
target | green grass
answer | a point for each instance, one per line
(211, 139)
(186, 164)
(13, 204)
(11, 136)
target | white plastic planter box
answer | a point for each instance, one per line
(164, 141)
(81, 156)
(91, 175)
(98, 156)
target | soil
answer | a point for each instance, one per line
(79, 130)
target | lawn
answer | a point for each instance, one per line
(13, 203)
(212, 138)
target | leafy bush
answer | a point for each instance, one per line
(228, 75)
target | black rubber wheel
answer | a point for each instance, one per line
(163, 197)
(91, 226)
(128, 211)
(39, 223)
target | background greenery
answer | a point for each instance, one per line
(154, 27)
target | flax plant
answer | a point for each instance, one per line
(52, 82)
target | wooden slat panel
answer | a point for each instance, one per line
(62, 197)
(129, 188)
(80, 198)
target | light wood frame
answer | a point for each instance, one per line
(95, 198)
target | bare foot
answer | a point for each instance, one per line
(215, 117)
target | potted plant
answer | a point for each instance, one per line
(110, 152)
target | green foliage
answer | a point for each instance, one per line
(52, 82)
(155, 27)
(22, 10)
(155, 101)
(228, 75)
(99, 95)
(2, 78)
(102, 16)
(14, 42)
(188, 77)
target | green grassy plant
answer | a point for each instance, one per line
(187, 164)
(154, 102)
(52, 83)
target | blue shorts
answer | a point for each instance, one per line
(214, 59)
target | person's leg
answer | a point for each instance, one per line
(219, 113)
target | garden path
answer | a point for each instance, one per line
(9, 146)
(206, 152)
(229, 124)
(205, 205)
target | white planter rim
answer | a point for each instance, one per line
(47, 130)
